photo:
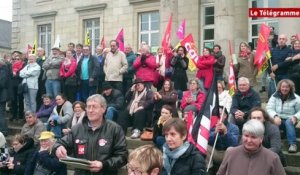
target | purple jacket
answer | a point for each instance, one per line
(45, 111)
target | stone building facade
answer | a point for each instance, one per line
(210, 21)
(5, 39)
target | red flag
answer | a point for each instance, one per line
(181, 30)
(262, 51)
(120, 39)
(167, 37)
(102, 43)
(201, 128)
(231, 80)
(29, 50)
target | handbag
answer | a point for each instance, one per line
(71, 81)
(147, 135)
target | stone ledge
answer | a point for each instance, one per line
(94, 7)
(43, 14)
(140, 1)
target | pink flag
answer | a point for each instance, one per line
(181, 30)
(120, 39)
(298, 36)
(167, 37)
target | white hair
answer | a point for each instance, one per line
(254, 127)
(98, 98)
(244, 79)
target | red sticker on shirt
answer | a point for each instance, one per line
(81, 149)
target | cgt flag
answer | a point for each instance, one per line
(202, 124)
(262, 51)
(189, 44)
(120, 39)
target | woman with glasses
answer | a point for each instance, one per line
(145, 160)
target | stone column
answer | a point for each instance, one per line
(289, 26)
(231, 23)
(15, 35)
(168, 7)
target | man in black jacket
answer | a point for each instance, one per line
(114, 99)
(4, 96)
(96, 139)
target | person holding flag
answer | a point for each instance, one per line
(245, 66)
(180, 63)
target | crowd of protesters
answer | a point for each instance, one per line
(55, 97)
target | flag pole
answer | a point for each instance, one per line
(216, 138)
(273, 73)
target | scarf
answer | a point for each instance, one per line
(135, 103)
(17, 66)
(217, 55)
(170, 156)
(245, 55)
(77, 119)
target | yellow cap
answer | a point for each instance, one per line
(46, 135)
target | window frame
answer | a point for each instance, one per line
(149, 32)
(205, 27)
(92, 33)
(48, 41)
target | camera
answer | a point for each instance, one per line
(4, 159)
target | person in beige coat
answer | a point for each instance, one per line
(115, 65)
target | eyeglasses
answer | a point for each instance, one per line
(133, 170)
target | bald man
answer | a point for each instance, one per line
(278, 70)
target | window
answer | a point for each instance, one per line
(254, 23)
(44, 37)
(149, 29)
(208, 26)
(93, 27)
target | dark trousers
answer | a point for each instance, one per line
(17, 104)
(138, 120)
(3, 125)
(116, 85)
(70, 92)
(127, 83)
(41, 91)
(86, 90)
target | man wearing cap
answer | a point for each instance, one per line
(114, 99)
(51, 67)
(44, 161)
(96, 139)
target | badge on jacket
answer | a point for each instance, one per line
(102, 142)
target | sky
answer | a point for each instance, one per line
(6, 10)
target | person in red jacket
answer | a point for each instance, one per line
(192, 99)
(68, 76)
(205, 65)
(145, 66)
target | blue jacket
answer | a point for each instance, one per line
(224, 141)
